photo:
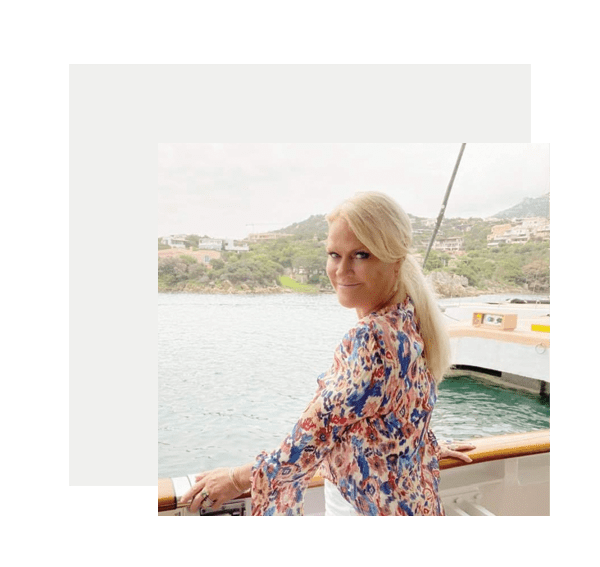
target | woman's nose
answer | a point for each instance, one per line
(345, 265)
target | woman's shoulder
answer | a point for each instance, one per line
(394, 317)
(370, 330)
(390, 320)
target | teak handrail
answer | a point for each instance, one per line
(486, 449)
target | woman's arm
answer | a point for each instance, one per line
(352, 390)
(215, 488)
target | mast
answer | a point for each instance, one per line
(443, 209)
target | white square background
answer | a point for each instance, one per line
(118, 114)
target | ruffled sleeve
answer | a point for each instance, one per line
(352, 389)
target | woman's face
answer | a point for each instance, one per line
(361, 280)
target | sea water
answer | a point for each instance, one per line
(236, 371)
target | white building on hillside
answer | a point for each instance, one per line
(175, 241)
(210, 244)
(231, 247)
(453, 244)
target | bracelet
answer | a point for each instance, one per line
(235, 484)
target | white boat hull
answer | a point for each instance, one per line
(517, 356)
(507, 487)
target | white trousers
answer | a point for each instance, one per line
(335, 503)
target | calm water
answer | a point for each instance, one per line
(236, 371)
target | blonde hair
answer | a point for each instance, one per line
(385, 229)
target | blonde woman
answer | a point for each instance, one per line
(366, 431)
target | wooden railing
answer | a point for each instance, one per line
(486, 449)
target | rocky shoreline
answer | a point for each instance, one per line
(444, 285)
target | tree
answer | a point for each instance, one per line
(436, 261)
(508, 270)
(194, 240)
(172, 270)
(537, 275)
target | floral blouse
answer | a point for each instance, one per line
(366, 429)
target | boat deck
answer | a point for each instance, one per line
(515, 351)
(523, 334)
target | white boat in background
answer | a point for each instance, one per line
(505, 342)
(509, 476)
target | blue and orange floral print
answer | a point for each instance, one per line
(366, 429)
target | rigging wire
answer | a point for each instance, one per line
(444, 203)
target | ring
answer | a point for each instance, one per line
(206, 502)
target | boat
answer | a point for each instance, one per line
(504, 342)
(509, 476)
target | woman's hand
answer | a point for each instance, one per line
(212, 490)
(449, 449)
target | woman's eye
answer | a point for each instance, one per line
(333, 254)
(362, 255)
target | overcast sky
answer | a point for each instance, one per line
(231, 190)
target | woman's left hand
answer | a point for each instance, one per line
(212, 490)
(455, 450)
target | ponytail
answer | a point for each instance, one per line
(431, 322)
